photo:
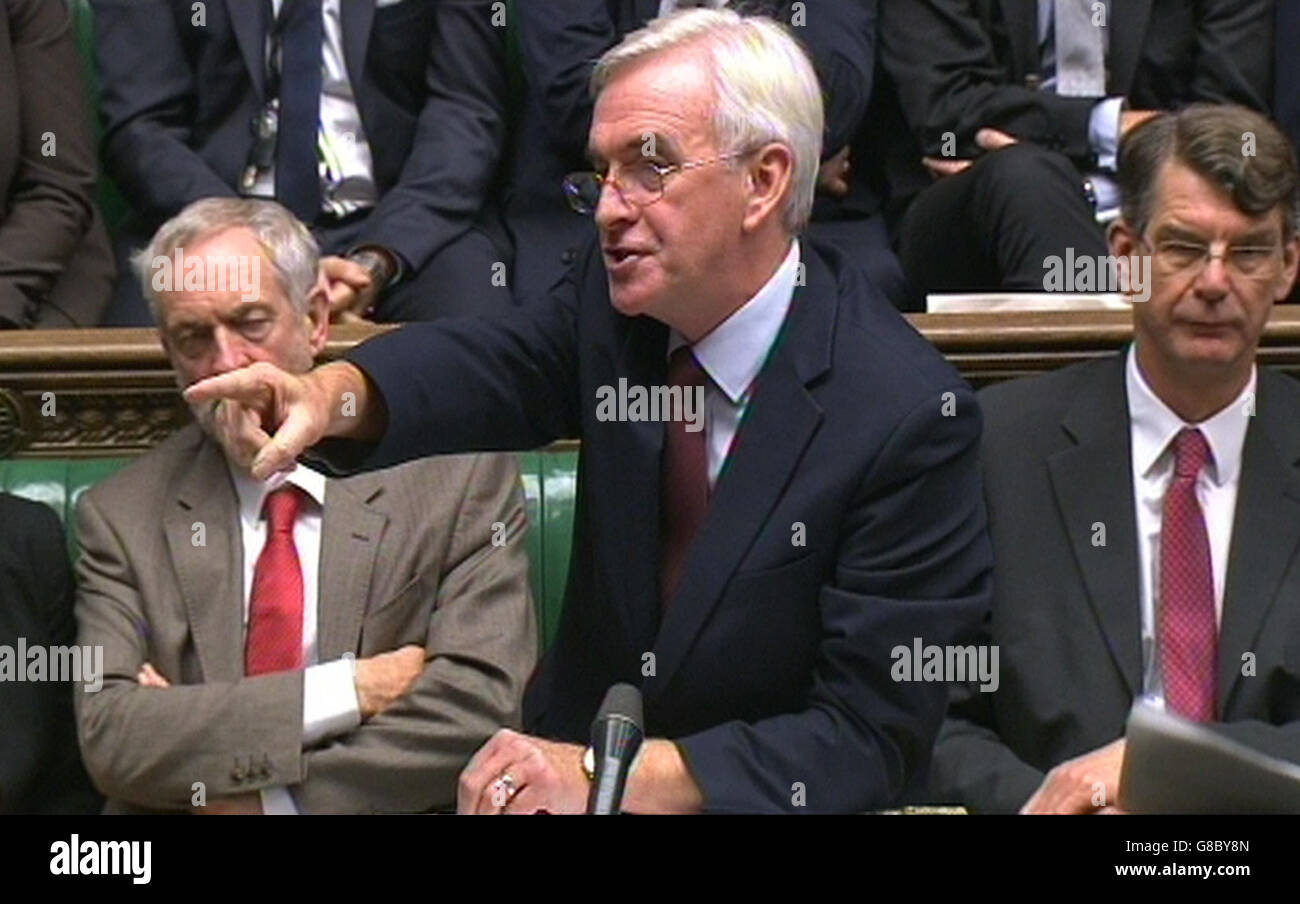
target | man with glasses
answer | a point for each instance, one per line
(1145, 508)
(749, 560)
(558, 46)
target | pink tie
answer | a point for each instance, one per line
(1188, 633)
(684, 479)
(274, 642)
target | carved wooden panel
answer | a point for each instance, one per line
(91, 393)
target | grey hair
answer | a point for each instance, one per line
(287, 245)
(765, 88)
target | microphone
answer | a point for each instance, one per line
(616, 736)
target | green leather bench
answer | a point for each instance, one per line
(549, 478)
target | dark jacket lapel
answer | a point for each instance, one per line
(1129, 20)
(350, 533)
(211, 575)
(628, 465)
(779, 423)
(1020, 19)
(1093, 482)
(248, 20)
(1265, 529)
(357, 17)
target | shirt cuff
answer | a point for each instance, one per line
(329, 701)
(1103, 131)
(277, 801)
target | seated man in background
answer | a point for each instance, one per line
(56, 269)
(379, 123)
(748, 556)
(1037, 94)
(40, 766)
(1145, 508)
(560, 43)
(301, 644)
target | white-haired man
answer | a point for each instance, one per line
(301, 644)
(751, 560)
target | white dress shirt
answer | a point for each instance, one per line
(733, 353)
(329, 696)
(1153, 428)
(347, 167)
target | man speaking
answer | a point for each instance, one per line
(751, 570)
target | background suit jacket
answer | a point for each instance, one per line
(56, 269)
(960, 65)
(772, 664)
(1066, 613)
(40, 766)
(429, 80)
(394, 546)
(559, 45)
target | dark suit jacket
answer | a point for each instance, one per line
(56, 269)
(772, 664)
(560, 44)
(959, 65)
(40, 766)
(428, 76)
(1287, 83)
(1066, 613)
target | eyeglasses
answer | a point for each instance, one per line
(1176, 256)
(639, 184)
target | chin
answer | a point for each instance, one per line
(1212, 352)
(630, 301)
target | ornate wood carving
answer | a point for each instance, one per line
(93, 393)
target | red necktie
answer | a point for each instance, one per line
(684, 481)
(1188, 632)
(274, 642)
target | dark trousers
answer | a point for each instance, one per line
(993, 227)
(864, 243)
(467, 276)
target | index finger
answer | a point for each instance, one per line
(279, 452)
(243, 385)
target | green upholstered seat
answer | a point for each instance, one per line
(549, 483)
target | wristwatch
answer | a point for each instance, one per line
(381, 266)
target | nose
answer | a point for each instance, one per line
(231, 350)
(1212, 282)
(612, 208)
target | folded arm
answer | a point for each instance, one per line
(481, 648)
(149, 746)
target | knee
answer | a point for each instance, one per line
(1025, 168)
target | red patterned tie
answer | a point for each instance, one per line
(684, 481)
(274, 642)
(1188, 632)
